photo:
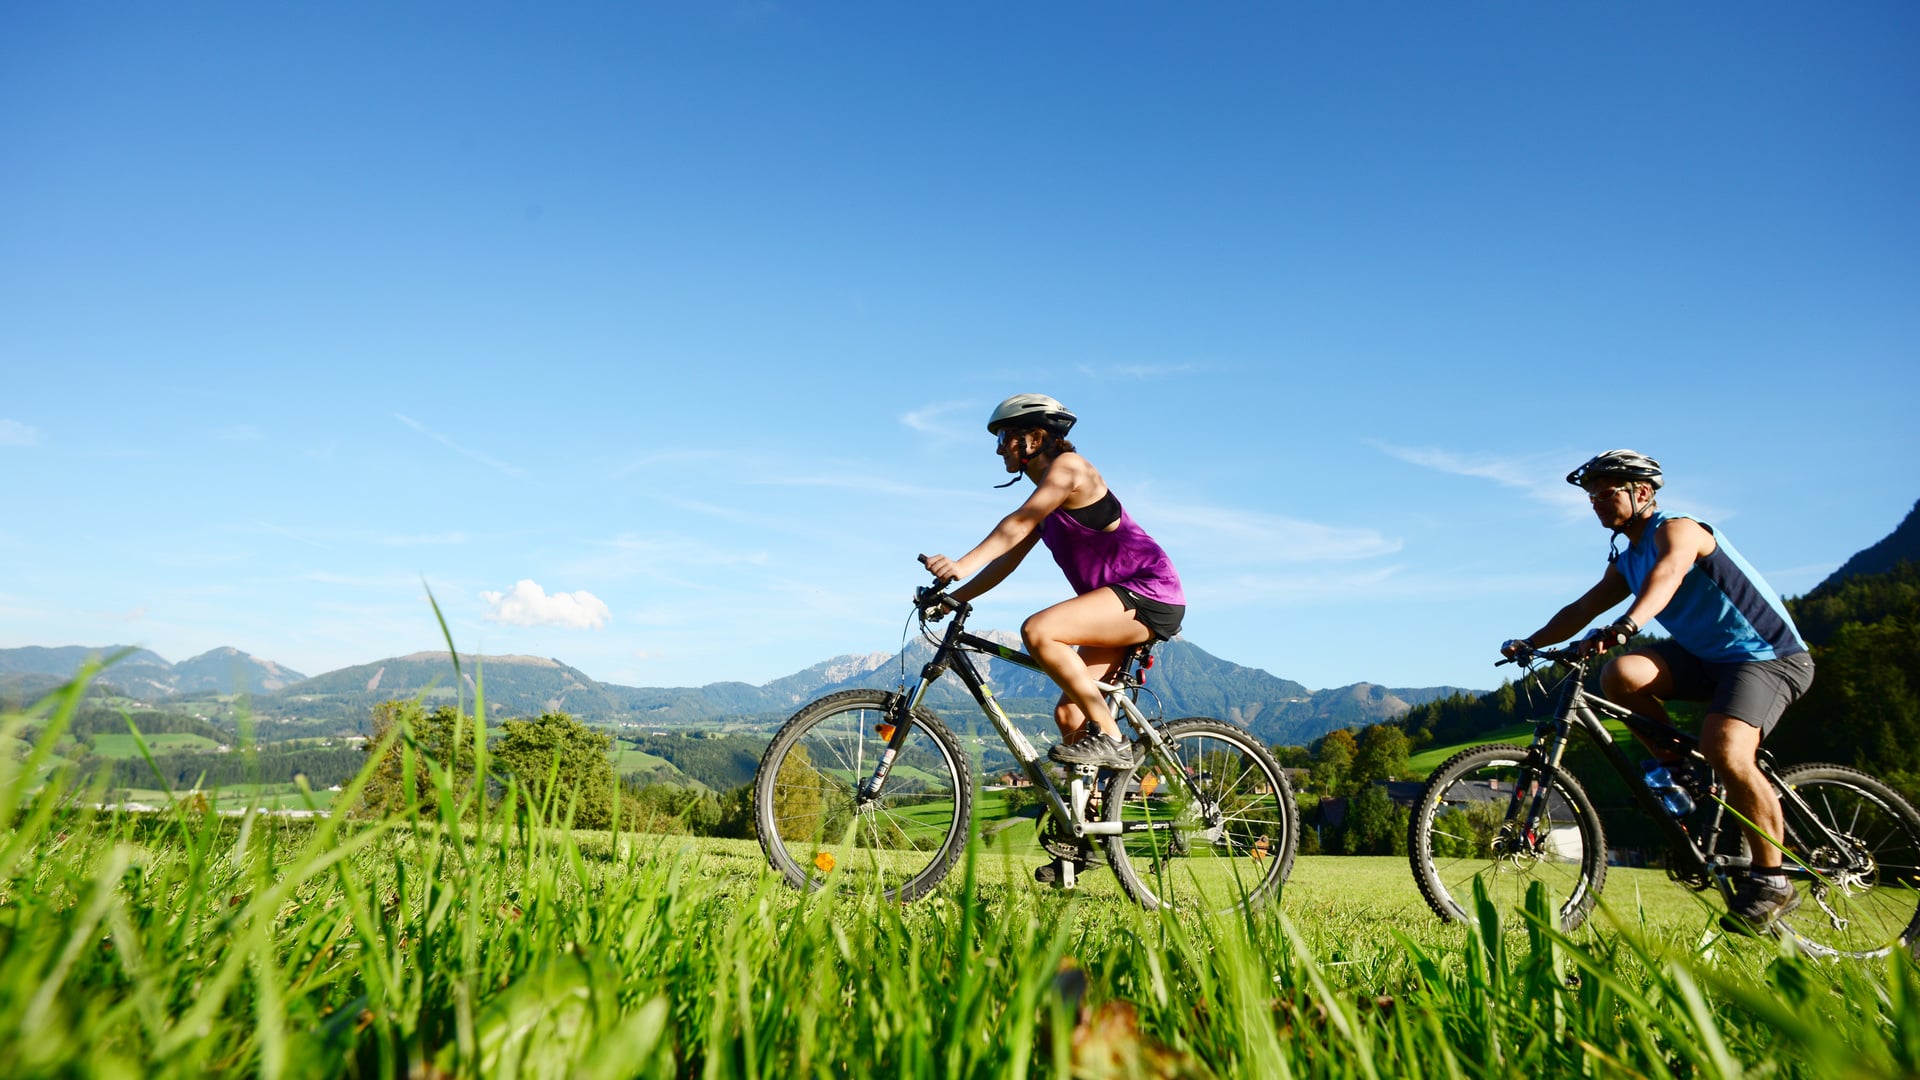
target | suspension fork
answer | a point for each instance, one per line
(899, 720)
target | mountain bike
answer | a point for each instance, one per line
(869, 789)
(1511, 815)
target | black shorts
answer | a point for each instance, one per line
(1161, 620)
(1754, 692)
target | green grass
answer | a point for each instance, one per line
(435, 944)
(1421, 764)
(629, 760)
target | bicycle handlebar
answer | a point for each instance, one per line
(1566, 655)
(928, 597)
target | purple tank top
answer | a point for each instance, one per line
(1127, 557)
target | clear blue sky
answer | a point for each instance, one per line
(690, 314)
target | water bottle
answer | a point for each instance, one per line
(1671, 794)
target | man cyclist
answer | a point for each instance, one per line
(1127, 592)
(1733, 646)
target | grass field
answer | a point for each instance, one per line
(1421, 764)
(436, 945)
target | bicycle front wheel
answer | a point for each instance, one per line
(1209, 822)
(1466, 828)
(815, 829)
(1853, 852)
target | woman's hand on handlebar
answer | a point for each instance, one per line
(941, 567)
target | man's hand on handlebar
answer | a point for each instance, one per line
(1516, 648)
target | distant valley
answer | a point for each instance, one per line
(1186, 680)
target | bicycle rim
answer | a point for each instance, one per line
(1460, 836)
(1853, 853)
(1211, 821)
(816, 832)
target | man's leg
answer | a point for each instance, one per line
(1643, 681)
(1102, 628)
(1731, 745)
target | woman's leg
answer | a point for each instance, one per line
(1079, 643)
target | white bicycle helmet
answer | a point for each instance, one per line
(1625, 464)
(1031, 410)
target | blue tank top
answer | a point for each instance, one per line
(1724, 611)
(1127, 557)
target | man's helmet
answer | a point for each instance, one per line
(1625, 464)
(1031, 411)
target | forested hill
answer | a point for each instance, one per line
(1863, 709)
(1901, 545)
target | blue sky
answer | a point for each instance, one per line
(659, 338)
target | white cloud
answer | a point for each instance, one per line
(529, 605)
(1163, 370)
(1541, 478)
(423, 539)
(945, 421)
(15, 433)
(490, 462)
(1238, 536)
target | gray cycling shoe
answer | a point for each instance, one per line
(1097, 749)
(1758, 904)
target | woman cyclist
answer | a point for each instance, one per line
(1127, 591)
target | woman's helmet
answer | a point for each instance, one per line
(1625, 464)
(1031, 411)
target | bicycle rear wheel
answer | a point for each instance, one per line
(1853, 852)
(814, 829)
(1459, 833)
(1211, 824)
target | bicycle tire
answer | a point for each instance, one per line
(1456, 834)
(810, 824)
(1849, 911)
(1240, 859)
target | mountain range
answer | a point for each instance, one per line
(1185, 681)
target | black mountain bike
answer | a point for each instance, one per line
(869, 789)
(1511, 815)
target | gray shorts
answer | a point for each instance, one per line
(1754, 692)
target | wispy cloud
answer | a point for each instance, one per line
(1165, 370)
(291, 534)
(1237, 536)
(1540, 477)
(15, 433)
(947, 420)
(527, 604)
(490, 462)
(661, 558)
(409, 582)
(1374, 584)
(670, 457)
(424, 540)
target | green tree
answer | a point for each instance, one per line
(562, 768)
(1382, 755)
(1374, 826)
(1333, 760)
(443, 737)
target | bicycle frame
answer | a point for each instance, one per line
(1068, 808)
(1693, 859)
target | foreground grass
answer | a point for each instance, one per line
(185, 943)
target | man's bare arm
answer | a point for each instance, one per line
(1570, 620)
